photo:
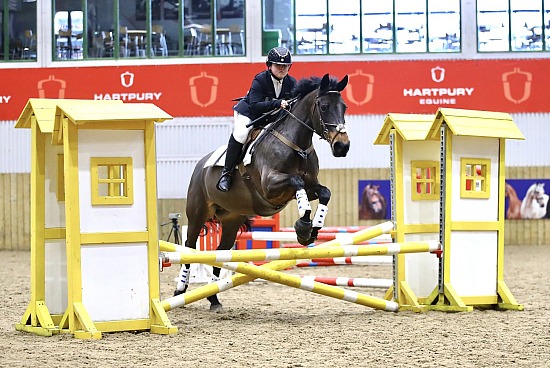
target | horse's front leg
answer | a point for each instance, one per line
(302, 226)
(323, 193)
(307, 230)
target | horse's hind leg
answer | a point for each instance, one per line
(193, 231)
(230, 228)
(198, 212)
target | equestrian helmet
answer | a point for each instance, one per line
(279, 55)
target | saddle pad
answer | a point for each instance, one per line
(218, 157)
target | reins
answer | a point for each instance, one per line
(323, 134)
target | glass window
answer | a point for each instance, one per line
(230, 27)
(100, 29)
(132, 28)
(68, 28)
(365, 26)
(377, 25)
(493, 25)
(278, 19)
(410, 23)
(512, 25)
(526, 25)
(344, 31)
(444, 26)
(311, 27)
(18, 35)
(218, 31)
(546, 24)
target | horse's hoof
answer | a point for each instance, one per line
(216, 308)
(178, 292)
(314, 234)
(303, 231)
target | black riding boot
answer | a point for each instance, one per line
(232, 155)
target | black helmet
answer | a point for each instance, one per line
(279, 55)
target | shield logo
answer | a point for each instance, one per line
(360, 80)
(200, 83)
(438, 74)
(517, 75)
(127, 79)
(52, 87)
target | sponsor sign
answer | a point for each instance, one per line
(374, 87)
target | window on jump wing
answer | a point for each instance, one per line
(112, 180)
(425, 180)
(475, 175)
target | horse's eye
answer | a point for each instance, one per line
(323, 108)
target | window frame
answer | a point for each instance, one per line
(434, 180)
(123, 163)
(472, 177)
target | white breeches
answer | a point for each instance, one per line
(240, 131)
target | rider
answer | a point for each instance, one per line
(268, 94)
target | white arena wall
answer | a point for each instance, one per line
(183, 141)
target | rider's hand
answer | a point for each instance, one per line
(284, 104)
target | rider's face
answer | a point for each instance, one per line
(279, 71)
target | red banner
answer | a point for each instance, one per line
(376, 87)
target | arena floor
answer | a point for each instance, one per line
(268, 325)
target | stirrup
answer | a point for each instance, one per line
(224, 183)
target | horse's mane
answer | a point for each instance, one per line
(307, 85)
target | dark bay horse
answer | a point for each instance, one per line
(284, 166)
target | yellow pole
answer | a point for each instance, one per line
(254, 255)
(236, 280)
(309, 285)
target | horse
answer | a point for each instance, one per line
(373, 204)
(283, 166)
(535, 203)
(514, 203)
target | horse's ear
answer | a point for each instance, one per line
(325, 83)
(342, 84)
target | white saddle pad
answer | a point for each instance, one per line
(218, 157)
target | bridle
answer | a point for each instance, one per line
(340, 127)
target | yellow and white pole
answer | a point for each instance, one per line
(236, 280)
(189, 255)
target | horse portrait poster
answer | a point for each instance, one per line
(524, 199)
(527, 199)
(374, 200)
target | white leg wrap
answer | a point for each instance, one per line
(183, 279)
(320, 215)
(303, 203)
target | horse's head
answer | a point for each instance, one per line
(328, 115)
(538, 192)
(373, 199)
